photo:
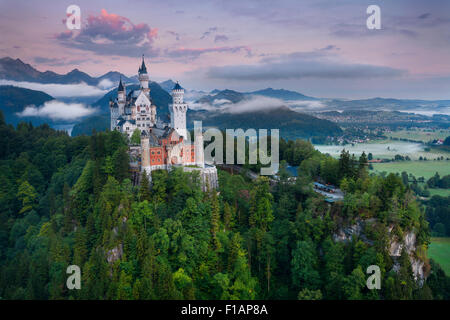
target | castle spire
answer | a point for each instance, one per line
(120, 85)
(143, 68)
(177, 86)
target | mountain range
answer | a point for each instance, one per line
(16, 69)
(212, 108)
(282, 94)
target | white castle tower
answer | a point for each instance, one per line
(143, 78)
(114, 115)
(178, 111)
(121, 97)
(117, 109)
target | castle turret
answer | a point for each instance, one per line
(145, 152)
(121, 97)
(143, 77)
(178, 111)
(114, 109)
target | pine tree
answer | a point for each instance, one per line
(215, 219)
(121, 162)
(229, 214)
(80, 253)
(344, 164)
(144, 191)
(28, 196)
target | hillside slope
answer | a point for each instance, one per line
(15, 99)
(292, 124)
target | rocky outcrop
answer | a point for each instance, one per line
(409, 243)
(114, 254)
(345, 234)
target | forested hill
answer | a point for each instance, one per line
(15, 99)
(69, 200)
(291, 124)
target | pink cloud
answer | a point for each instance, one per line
(111, 34)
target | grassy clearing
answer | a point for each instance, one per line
(439, 251)
(439, 192)
(425, 169)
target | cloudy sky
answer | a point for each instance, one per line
(317, 47)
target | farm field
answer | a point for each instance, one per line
(386, 149)
(439, 251)
(425, 169)
(424, 135)
(439, 192)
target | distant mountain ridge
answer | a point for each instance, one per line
(281, 94)
(236, 96)
(16, 69)
(167, 85)
(229, 95)
(290, 120)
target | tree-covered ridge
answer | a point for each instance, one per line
(69, 201)
(15, 99)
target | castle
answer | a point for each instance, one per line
(163, 145)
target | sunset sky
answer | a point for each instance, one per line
(317, 47)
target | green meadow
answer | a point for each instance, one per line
(425, 169)
(439, 192)
(439, 251)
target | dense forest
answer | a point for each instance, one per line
(66, 201)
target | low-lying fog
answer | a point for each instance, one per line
(379, 150)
